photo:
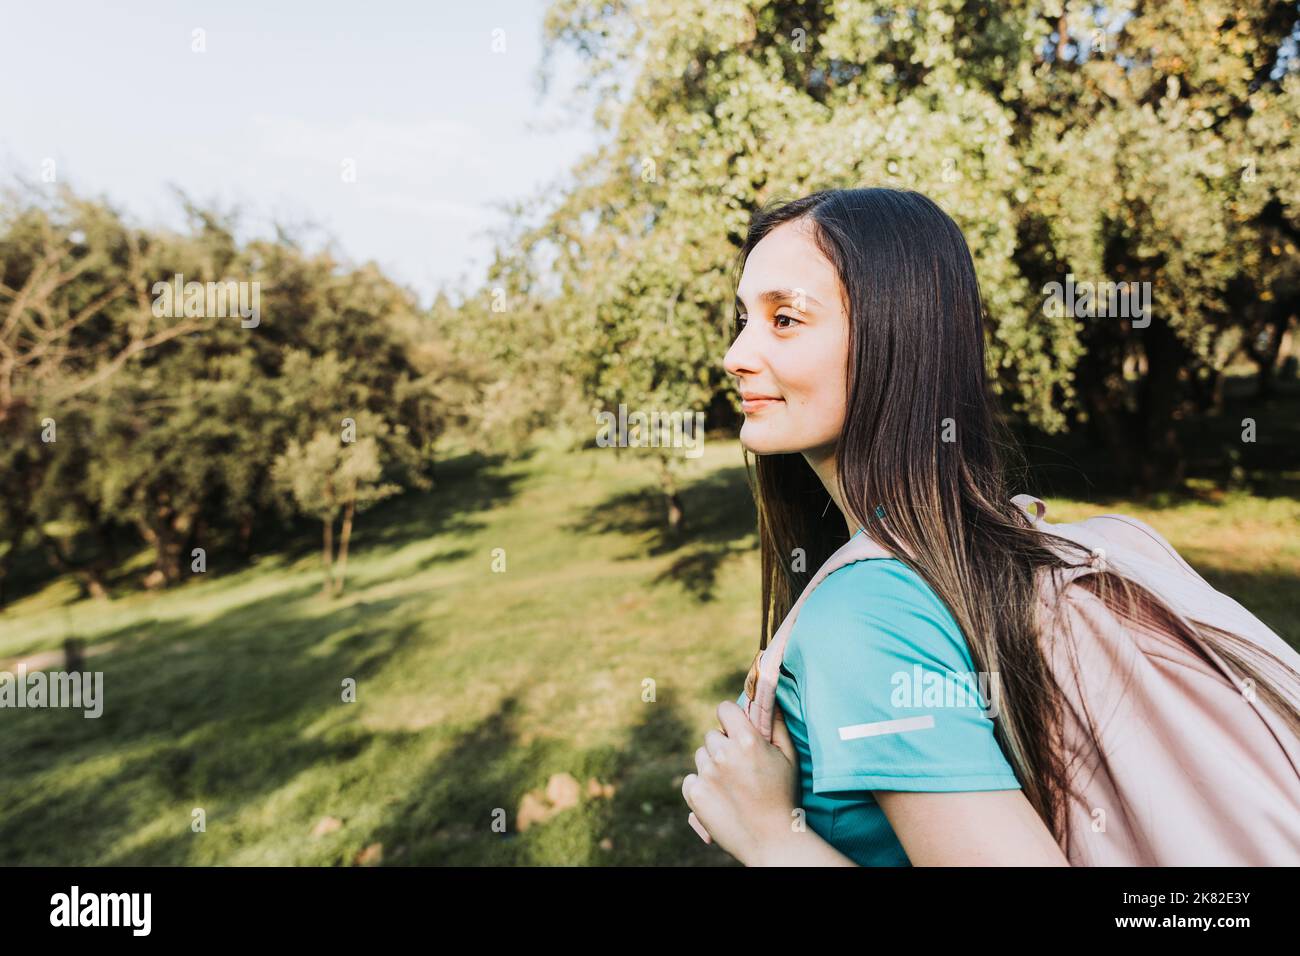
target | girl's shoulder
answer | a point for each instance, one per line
(867, 583)
(881, 603)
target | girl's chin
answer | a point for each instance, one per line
(758, 442)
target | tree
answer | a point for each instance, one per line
(76, 307)
(1162, 146)
(119, 426)
(75, 311)
(328, 476)
(1147, 144)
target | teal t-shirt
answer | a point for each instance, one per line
(878, 692)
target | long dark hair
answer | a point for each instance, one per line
(923, 446)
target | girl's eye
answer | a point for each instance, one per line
(742, 318)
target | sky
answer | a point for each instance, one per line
(438, 128)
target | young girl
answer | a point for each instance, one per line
(859, 356)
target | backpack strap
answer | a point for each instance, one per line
(1036, 506)
(765, 672)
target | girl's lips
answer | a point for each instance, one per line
(751, 405)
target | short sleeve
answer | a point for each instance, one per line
(886, 683)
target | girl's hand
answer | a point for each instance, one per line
(746, 788)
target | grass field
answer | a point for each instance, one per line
(475, 690)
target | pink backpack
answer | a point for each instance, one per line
(1201, 772)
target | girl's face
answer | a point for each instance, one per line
(790, 359)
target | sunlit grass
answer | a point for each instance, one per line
(473, 687)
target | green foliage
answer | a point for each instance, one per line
(166, 427)
(1151, 143)
(325, 474)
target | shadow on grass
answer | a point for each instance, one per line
(447, 816)
(230, 715)
(464, 488)
(175, 751)
(213, 713)
(720, 520)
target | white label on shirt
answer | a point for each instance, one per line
(854, 731)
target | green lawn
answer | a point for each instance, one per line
(473, 687)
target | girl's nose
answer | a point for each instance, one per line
(741, 358)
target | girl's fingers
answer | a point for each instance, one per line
(703, 759)
(781, 738)
(699, 828)
(687, 782)
(713, 742)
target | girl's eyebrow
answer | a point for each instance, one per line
(780, 297)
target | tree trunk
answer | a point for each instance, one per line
(344, 537)
(1144, 443)
(18, 528)
(676, 516)
(1207, 391)
(1265, 358)
(1161, 461)
(1104, 395)
(676, 513)
(154, 578)
(328, 555)
(167, 554)
(90, 576)
(179, 530)
(94, 585)
(166, 533)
